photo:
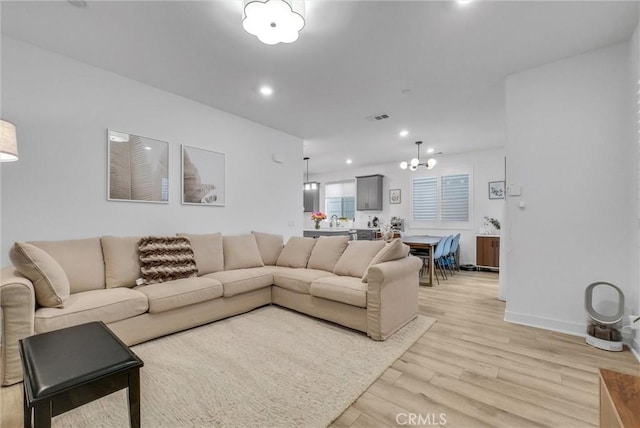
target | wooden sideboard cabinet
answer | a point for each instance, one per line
(619, 400)
(488, 251)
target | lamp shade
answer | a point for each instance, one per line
(8, 142)
(274, 21)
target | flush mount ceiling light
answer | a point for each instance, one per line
(266, 90)
(273, 21)
(415, 162)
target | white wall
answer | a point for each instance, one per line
(484, 166)
(634, 54)
(57, 190)
(569, 145)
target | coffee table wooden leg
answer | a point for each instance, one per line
(42, 415)
(134, 398)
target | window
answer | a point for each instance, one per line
(340, 199)
(442, 199)
(454, 198)
(425, 199)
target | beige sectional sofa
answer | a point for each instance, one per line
(370, 286)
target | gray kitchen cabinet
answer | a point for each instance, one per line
(369, 192)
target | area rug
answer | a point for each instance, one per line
(268, 368)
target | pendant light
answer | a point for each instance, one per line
(309, 185)
(415, 162)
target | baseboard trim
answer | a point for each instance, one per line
(574, 329)
(635, 347)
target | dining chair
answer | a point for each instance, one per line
(452, 253)
(444, 260)
(437, 258)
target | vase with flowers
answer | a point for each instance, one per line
(317, 217)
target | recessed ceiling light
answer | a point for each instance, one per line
(147, 148)
(464, 1)
(349, 161)
(266, 90)
(430, 150)
(404, 133)
(78, 3)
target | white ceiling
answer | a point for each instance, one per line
(352, 60)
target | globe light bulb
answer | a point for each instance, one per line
(403, 165)
(431, 163)
(413, 168)
(415, 162)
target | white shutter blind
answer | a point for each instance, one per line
(454, 198)
(425, 199)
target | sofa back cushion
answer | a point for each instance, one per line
(50, 283)
(241, 252)
(81, 260)
(296, 252)
(270, 247)
(166, 258)
(208, 251)
(356, 258)
(327, 252)
(394, 250)
(121, 261)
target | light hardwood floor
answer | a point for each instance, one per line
(472, 368)
(479, 371)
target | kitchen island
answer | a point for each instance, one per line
(333, 231)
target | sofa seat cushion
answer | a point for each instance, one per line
(107, 305)
(243, 280)
(298, 280)
(181, 292)
(343, 289)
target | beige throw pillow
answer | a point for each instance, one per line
(394, 250)
(121, 261)
(208, 251)
(241, 252)
(327, 252)
(356, 258)
(270, 247)
(81, 259)
(50, 282)
(296, 252)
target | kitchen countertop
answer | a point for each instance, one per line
(332, 229)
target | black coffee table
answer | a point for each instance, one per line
(64, 369)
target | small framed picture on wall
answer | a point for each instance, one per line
(496, 190)
(395, 196)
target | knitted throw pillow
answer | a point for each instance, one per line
(166, 258)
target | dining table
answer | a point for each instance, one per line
(425, 244)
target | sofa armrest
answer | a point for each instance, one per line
(18, 302)
(392, 296)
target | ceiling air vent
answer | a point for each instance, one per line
(375, 117)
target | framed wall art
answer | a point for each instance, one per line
(203, 177)
(138, 168)
(395, 196)
(496, 190)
